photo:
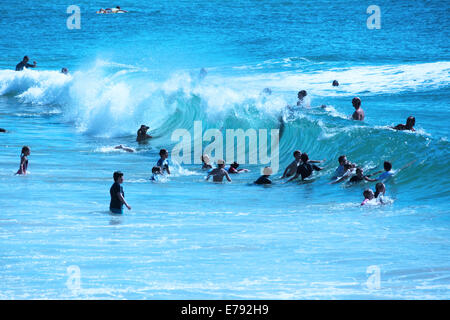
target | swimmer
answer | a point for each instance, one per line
(410, 122)
(291, 169)
(2, 130)
(340, 169)
(234, 168)
(368, 195)
(301, 95)
(360, 177)
(24, 160)
(388, 172)
(219, 172)
(163, 162)
(264, 179)
(348, 170)
(380, 190)
(305, 169)
(205, 162)
(24, 64)
(117, 9)
(127, 149)
(64, 71)
(156, 172)
(335, 83)
(359, 112)
(117, 194)
(142, 133)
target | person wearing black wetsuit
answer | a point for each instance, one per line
(24, 64)
(305, 169)
(264, 179)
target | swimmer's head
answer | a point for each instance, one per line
(304, 157)
(387, 166)
(156, 170)
(234, 165)
(335, 83)
(64, 71)
(410, 122)
(267, 91)
(342, 160)
(267, 171)
(359, 171)
(220, 163)
(380, 187)
(368, 194)
(356, 102)
(26, 150)
(118, 176)
(301, 94)
(26, 59)
(297, 154)
(144, 128)
(163, 153)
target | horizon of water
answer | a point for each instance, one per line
(186, 238)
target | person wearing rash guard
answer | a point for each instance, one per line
(305, 169)
(360, 177)
(24, 64)
(388, 172)
(410, 122)
(359, 112)
(219, 172)
(117, 194)
(233, 169)
(368, 195)
(163, 163)
(264, 179)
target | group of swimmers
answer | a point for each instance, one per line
(24, 64)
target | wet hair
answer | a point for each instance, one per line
(367, 193)
(379, 188)
(387, 166)
(304, 157)
(356, 101)
(341, 158)
(410, 122)
(302, 92)
(24, 149)
(26, 58)
(117, 175)
(359, 170)
(156, 170)
(162, 151)
(234, 165)
(335, 83)
(297, 152)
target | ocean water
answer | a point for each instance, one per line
(186, 238)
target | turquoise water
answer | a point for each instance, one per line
(186, 238)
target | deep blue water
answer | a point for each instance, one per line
(184, 237)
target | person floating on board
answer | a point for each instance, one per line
(117, 194)
(359, 112)
(368, 195)
(305, 169)
(142, 133)
(163, 163)
(234, 168)
(24, 160)
(264, 179)
(24, 64)
(219, 172)
(410, 122)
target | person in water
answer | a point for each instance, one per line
(219, 172)
(380, 190)
(335, 83)
(410, 122)
(388, 172)
(127, 149)
(291, 169)
(24, 64)
(264, 179)
(163, 163)
(116, 9)
(64, 71)
(2, 130)
(301, 95)
(348, 170)
(24, 160)
(368, 195)
(342, 169)
(359, 176)
(142, 133)
(234, 168)
(205, 162)
(156, 173)
(117, 194)
(305, 169)
(359, 112)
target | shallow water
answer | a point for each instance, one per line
(189, 239)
